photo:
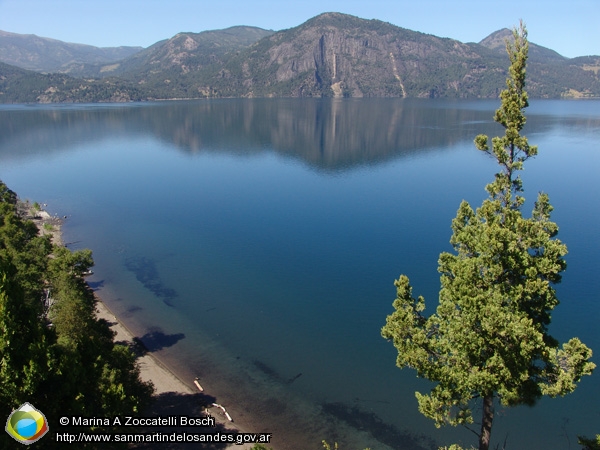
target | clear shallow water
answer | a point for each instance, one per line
(251, 241)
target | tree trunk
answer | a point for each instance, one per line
(486, 422)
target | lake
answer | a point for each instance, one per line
(254, 243)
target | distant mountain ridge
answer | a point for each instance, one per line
(40, 54)
(187, 52)
(330, 55)
(497, 41)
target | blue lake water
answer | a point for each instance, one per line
(254, 243)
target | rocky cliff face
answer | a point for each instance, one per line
(343, 56)
(326, 58)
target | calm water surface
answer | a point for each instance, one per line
(254, 243)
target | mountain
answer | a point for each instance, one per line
(187, 52)
(339, 55)
(330, 55)
(129, 79)
(551, 74)
(497, 41)
(40, 54)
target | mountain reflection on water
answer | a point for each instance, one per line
(321, 133)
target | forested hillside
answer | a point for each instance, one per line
(54, 353)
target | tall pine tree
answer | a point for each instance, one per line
(488, 340)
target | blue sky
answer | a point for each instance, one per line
(570, 27)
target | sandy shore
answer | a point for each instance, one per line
(48, 224)
(173, 396)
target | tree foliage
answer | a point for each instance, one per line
(488, 338)
(54, 352)
(589, 444)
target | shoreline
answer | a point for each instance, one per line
(168, 383)
(257, 402)
(251, 408)
(165, 380)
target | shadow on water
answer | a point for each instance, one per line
(383, 432)
(169, 404)
(156, 340)
(95, 285)
(133, 309)
(273, 374)
(145, 272)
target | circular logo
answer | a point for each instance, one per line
(26, 424)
